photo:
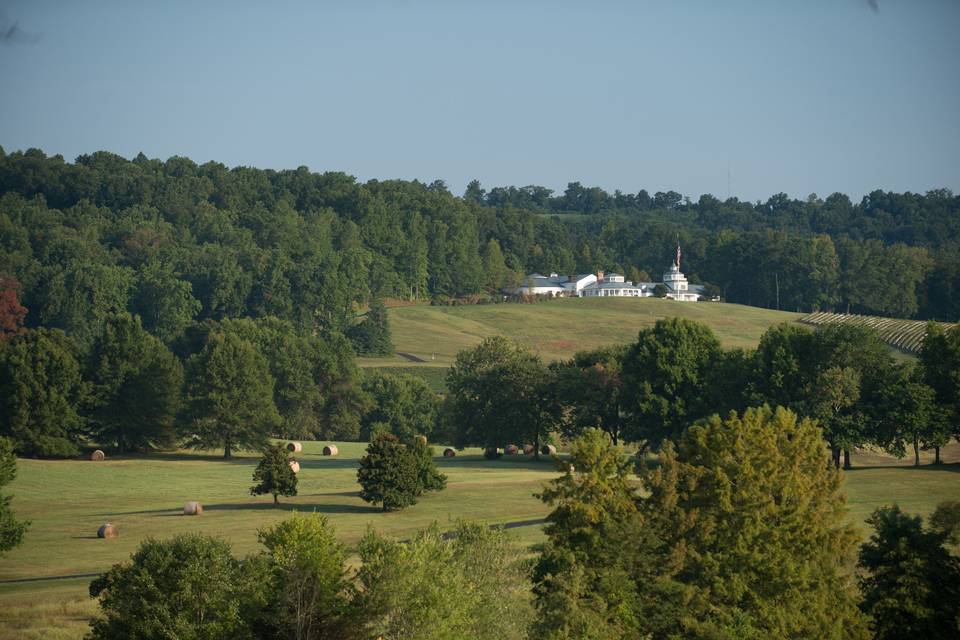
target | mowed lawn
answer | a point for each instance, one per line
(556, 329)
(68, 500)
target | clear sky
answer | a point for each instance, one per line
(802, 96)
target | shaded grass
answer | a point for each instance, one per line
(557, 329)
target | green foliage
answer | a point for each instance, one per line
(164, 301)
(912, 585)
(590, 388)
(499, 395)
(669, 379)
(273, 474)
(229, 395)
(585, 579)
(11, 529)
(429, 476)
(403, 404)
(41, 390)
(464, 586)
(389, 474)
(187, 587)
(940, 362)
(371, 336)
(754, 523)
(137, 387)
(311, 590)
(946, 520)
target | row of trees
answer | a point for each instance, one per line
(175, 242)
(227, 384)
(677, 373)
(300, 586)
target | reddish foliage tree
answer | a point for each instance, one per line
(12, 313)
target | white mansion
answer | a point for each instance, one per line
(611, 284)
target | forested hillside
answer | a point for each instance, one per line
(177, 242)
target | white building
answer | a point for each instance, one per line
(613, 285)
(554, 284)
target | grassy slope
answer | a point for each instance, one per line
(559, 328)
(68, 500)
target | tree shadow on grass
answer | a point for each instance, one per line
(294, 506)
(953, 467)
(501, 464)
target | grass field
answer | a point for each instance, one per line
(68, 500)
(557, 329)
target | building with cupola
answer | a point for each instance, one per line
(605, 285)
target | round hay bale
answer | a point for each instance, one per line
(97, 455)
(192, 509)
(295, 447)
(330, 450)
(422, 440)
(528, 449)
(548, 450)
(108, 530)
(449, 452)
(511, 450)
(294, 465)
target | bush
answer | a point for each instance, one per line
(428, 474)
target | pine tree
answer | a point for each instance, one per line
(389, 474)
(274, 474)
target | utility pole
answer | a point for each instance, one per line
(776, 278)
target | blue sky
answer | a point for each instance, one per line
(799, 97)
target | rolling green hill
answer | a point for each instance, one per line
(557, 329)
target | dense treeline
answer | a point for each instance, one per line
(176, 242)
(677, 374)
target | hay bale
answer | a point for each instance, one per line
(97, 455)
(548, 450)
(330, 450)
(528, 449)
(422, 440)
(108, 530)
(449, 452)
(511, 450)
(294, 465)
(192, 509)
(295, 447)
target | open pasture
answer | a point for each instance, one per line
(144, 496)
(556, 329)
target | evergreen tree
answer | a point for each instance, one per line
(371, 336)
(274, 474)
(389, 474)
(11, 529)
(912, 585)
(429, 476)
(229, 396)
(755, 525)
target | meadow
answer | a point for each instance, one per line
(67, 500)
(430, 336)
